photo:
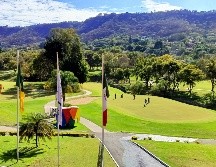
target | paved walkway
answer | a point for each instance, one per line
(124, 152)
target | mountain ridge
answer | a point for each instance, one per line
(154, 25)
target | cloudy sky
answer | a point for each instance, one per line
(29, 12)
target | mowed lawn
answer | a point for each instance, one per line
(161, 116)
(74, 151)
(35, 99)
(182, 154)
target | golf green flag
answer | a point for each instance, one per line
(19, 84)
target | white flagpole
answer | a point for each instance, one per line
(58, 108)
(18, 110)
(102, 109)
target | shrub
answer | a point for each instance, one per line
(133, 138)
(138, 88)
(12, 133)
(149, 138)
(2, 133)
(94, 77)
(197, 142)
(67, 105)
(123, 88)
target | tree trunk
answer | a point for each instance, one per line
(213, 85)
(36, 134)
(36, 139)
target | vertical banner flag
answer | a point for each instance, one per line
(59, 95)
(105, 96)
(19, 84)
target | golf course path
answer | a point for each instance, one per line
(124, 152)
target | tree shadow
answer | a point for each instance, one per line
(33, 90)
(25, 152)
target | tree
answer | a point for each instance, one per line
(209, 66)
(144, 69)
(41, 69)
(189, 75)
(127, 73)
(67, 43)
(68, 81)
(89, 55)
(35, 125)
(170, 70)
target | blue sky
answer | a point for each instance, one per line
(29, 12)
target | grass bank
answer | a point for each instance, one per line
(182, 154)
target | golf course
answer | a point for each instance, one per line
(161, 116)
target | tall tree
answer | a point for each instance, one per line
(67, 43)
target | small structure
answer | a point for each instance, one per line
(69, 115)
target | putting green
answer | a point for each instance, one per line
(159, 109)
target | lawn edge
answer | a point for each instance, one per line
(151, 154)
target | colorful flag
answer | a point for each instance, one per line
(105, 96)
(59, 95)
(19, 84)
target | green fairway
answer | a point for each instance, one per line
(182, 154)
(125, 123)
(160, 116)
(74, 151)
(159, 109)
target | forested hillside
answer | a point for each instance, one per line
(170, 25)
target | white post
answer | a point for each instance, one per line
(17, 110)
(102, 112)
(58, 114)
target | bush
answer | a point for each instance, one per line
(149, 138)
(138, 88)
(2, 133)
(133, 138)
(67, 105)
(94, 77)
(123, 88)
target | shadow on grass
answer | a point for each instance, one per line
(25, 152)
(33, 90)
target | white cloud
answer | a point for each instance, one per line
(153, 6)
(28, 12)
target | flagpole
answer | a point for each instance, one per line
(102, 109)
(58, 111)
(17, 110)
